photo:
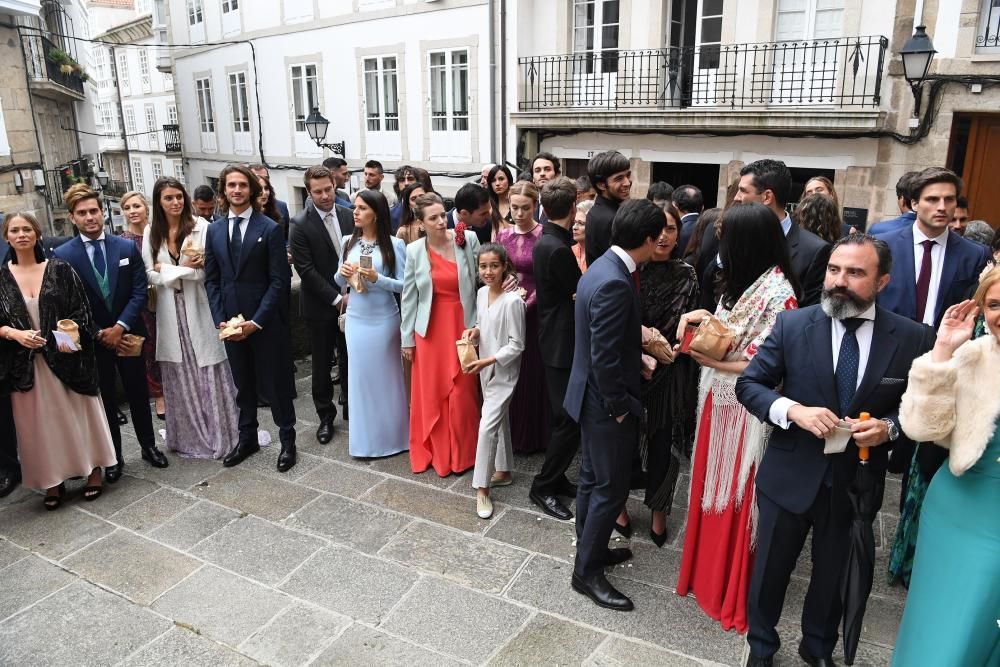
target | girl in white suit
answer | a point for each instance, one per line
(500, 335)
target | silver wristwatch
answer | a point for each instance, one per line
(893, 429)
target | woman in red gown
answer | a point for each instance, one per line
(721, 525)
(438, 304)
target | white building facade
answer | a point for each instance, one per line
(401, 81)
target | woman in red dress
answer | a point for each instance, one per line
(721, 526)
(438, 304)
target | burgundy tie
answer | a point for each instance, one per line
(924, 280)
(635, 279)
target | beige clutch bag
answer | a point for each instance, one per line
(70, 328)
(131, 345)
(466, 353)
(713, 338)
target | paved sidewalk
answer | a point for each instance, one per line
(346, 562)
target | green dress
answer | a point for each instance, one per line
(954, 600)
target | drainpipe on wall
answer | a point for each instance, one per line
(503, 82)
(493, 82)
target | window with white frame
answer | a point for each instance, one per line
(230, 6)
(102, 58)
(152, 127)
(144, 68)
(107, 120)
(808, 19)
(381, 94)
(157, 170)
(4, 143)
(206, 114)
(595, 31)
(138, 182)
(123, 79)
(130, 126)
(179, 170)
(988, 29)
(238, 101)
(305, 93)
(143, 6)
(195, 12)
(449, 72)
(172, 114)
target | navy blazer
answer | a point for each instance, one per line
(892, 224)
(607, 357)
(257, 287)
(963, 262)
(798, 357)
(126, 280)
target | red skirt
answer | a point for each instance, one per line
(717, 561)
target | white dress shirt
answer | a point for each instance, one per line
(332, 225)
(778, 412)
(625, 257)
(937, 263)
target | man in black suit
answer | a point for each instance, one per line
(114, 277)
(556, 277)
(247, 273)
(770, 183)
(831, 362)
(544, 168)
(603, 394)
(473, 208)
(689, 202)
(611, 175)
(203, 203)
(317, 244)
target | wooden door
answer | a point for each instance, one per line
(980, 180)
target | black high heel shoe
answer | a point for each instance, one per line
(659, 539)
(53, 502)
(626, 530)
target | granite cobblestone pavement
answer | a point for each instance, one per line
(346, 561)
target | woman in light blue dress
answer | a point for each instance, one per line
(374, 259)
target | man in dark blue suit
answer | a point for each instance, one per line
(114, 278)
(603, 393)
(906, 215)
(933, 267)
(247, 273)
(831, 361)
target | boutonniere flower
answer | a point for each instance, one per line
(460, 234)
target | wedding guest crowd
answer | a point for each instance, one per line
(783, 353)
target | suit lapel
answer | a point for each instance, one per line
(948, 271)
(312, 215)
(221, 242)
(255, 229)
(112, 252)
(882, 351)
(820, 330)
(902, 257)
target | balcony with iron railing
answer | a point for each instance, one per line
(172, 138)
(50, 70)
(115, 189)
(832, 84)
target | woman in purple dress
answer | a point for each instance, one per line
(136, 211)
(529, 406)
(197, 383)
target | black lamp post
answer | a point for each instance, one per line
(316, 126)
(102, 179)
(917, 54)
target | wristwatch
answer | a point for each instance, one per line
(893, 429)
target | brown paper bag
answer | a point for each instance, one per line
(71, 328)
(232, 327)
(466, 353)
(713, 338)
(658, 347)
(358, 283)
(132, 345)
(193, 252)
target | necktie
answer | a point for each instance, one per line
(847, 364)
(100, 264)
(235, 242)
(334, 237)
(924, 280)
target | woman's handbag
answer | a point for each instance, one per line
(713, 338)
(151, 298)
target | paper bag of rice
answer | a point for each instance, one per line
(71, 329)
(232, 328)
(131, 345)
(466, 353)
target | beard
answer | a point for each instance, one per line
(840, 303)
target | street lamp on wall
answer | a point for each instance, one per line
(102, 179)
(917, 54)
(316, 126)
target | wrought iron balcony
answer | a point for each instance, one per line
(172, 138)
(116, 189)
(843, 73)
(46, 74)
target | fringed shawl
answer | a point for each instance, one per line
(751, 320)
(62, 297)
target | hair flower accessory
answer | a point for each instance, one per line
(460, 234)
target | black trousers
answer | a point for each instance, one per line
(564, 438)
(326, 338)
(261, 364)
(605, 472)
(132, 371)
(8, 437)
(781, 535)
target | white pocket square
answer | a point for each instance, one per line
(260, 239)
(123, 262)
(892, 381)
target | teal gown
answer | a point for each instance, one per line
(954, 600)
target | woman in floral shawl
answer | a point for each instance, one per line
(758, 284)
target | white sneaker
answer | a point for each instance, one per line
(484, 507)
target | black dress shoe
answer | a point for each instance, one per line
(240, 453)
(551, 506)
(343, 412)
(155, 457)
(599, 589)
(286, 459)
(617, 557)
(9, 479)
(757, 661)
(122, 419)
(325, 431)
(114, 473)
(812, 660)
